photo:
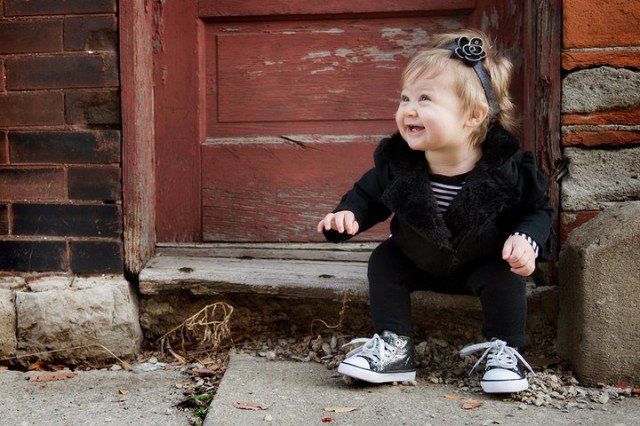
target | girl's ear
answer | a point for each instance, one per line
(478, 115)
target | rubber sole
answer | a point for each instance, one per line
(504, 386)
(374, 377)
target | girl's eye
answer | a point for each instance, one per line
(404, 98)
(424, 98)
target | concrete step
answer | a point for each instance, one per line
(297, 393)
(251, 276)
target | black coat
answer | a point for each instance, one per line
(504, 193)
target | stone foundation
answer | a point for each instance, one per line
(62, 312)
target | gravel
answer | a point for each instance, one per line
(553, 384)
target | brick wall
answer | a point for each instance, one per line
(600, 107)
(60, 153)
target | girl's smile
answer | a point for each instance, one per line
(431, 116)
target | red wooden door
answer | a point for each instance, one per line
(267, 112)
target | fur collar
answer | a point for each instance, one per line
(489, 188)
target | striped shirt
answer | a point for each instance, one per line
(445, 189)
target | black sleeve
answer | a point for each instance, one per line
(535, 206)
(364, 198)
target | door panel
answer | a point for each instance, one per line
(289, 101)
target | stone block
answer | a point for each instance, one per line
(8, 341)
(105, 314)
(56, 282)
(600, 89)
(598, 321)
(599, 177)
(12, 283)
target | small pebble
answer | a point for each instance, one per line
(153, 360)
(168, 411)
(115, 367)
(268, 418)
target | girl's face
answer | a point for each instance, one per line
(431, 116)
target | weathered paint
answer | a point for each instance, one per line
(245, 82)
(278, 191)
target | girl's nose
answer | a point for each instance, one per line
(410, 112)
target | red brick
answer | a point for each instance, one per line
(41, 72)
(92, 107)
(4, 219)
(31, 184)
(97, 146)
(625, 117)
(602, 138)
(96, 257)
(3, 80)
(33, 256)
(66, 220)
(90, 33)
(95, 183)
(4, 148)
(54, 7)
(614, 58)
(606, 23)
(31, 36)
(571, 220)
(31, 109)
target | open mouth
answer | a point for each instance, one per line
(415, 129)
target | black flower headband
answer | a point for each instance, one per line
(472, 53)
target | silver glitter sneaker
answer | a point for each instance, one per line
(502, 374)
(383, 359)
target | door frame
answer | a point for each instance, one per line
(140, 31)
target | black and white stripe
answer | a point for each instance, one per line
(535, 246)
(444, 194)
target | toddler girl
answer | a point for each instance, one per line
(470, 214)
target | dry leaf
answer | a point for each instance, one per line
(471, 404)
(3, 367)
(202, 372)
(340, 409)
(38, 365)
(327, 420)
(244, 405)
(49, 377)
(453, 396)
(636, 391)
(126, 366)
(123, 391)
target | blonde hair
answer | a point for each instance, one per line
(436, 58)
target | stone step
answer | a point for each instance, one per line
(319, 276)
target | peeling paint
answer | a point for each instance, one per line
(320, 54)
(289, 32)
(336, 91)
(388, 67)
(329, 31)
(230, 30)
(343, 52)
(325, 69)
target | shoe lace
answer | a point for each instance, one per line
(374, 348)
(497, 353)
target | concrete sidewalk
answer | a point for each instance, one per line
(297, 393)
(94, 398)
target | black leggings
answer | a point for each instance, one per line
(393, 277)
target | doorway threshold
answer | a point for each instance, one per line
(292, 270)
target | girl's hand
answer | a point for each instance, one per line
(340, 221)
(520, 255)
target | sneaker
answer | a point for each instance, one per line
(502, 374)
(381, 359)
